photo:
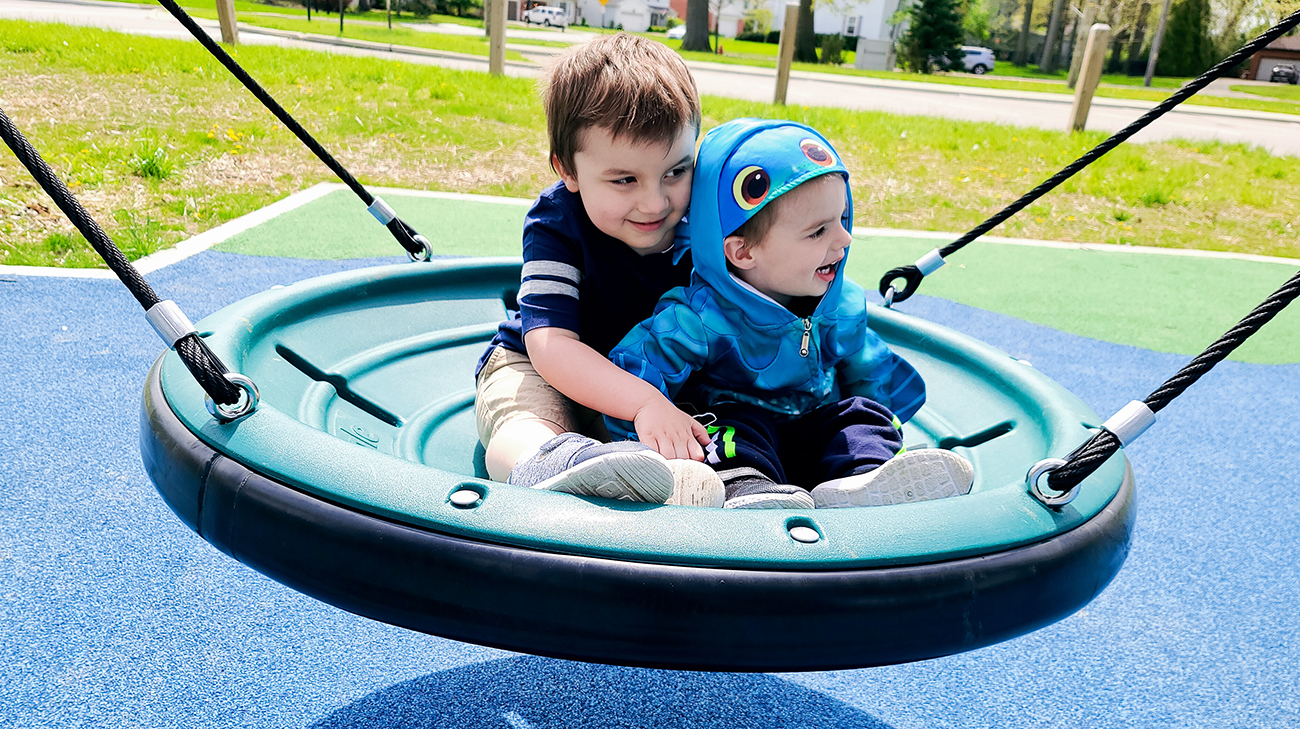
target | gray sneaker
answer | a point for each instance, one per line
(931, 473)
(575, 464)
(748, 488)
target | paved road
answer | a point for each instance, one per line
(1278, 133)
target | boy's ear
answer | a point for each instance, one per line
(737, 253)
(570, 182)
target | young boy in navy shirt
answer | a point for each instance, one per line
(598, 247)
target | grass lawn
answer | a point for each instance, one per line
(1005, 68)
(160, 144)
(1277, 91)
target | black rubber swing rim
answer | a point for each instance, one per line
(620, 612)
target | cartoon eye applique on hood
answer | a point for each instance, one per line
(751, 187)
(813, 150)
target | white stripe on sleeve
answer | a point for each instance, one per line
(552, 268)
(539, 286)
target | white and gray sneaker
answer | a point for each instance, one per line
(921, 475)
(575, 464)
(749, 488)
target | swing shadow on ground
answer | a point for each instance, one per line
(540, 693)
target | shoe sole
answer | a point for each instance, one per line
(771, 501)
(630, 476)
(922, 475)
(695, 484)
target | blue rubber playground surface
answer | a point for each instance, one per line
(113, 614)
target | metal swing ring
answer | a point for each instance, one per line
(425, 254)
(246, 404)
(1045, 466)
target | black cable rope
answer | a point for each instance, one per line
(913, 276)
(404, 233)
(206, 367)
(1088, 457)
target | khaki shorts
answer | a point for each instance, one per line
(509, 389)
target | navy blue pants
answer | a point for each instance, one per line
(841, 439)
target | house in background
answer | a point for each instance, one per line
(867, 21)
(1282, 50)
(635, 16)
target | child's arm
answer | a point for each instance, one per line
(877, 373)
(587, 378)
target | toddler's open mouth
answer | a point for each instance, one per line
(827, 272)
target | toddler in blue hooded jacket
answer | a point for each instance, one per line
(772, 340)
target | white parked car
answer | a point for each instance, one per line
(978, 60)
(546, 15)
(677, 32)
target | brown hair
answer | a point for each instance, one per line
(623, 83)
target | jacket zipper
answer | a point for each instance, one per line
(807, 334)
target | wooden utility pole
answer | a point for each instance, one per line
(496, 37)
(1098, 36)
(226, 16)
(1155, 44)
(1080, 42)
(389, 9)
(785, 52)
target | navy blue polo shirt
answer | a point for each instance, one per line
(578, 278)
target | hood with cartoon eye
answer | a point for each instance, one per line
(742, 166)
(768, 164)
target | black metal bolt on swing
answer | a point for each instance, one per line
(371, 500)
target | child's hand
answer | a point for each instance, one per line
(670, 431)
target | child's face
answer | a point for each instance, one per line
(636, 193)
(803, 249)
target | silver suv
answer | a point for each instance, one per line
(548, 16)
(978, 60)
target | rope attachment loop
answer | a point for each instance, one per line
(1070, 170)
(1133, 419)
(407, 238)
(910, 276)
(247, 403)
(166, 318)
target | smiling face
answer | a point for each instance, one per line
(804, 247)
(634, 192)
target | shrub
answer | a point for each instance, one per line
(833, 49)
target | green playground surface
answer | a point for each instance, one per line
(1153, 300)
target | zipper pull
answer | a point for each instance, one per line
(807, 334)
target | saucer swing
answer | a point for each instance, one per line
(342, 461)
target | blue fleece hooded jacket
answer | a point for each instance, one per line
(732, 342)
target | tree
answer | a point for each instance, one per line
(976, 21)
(805, 40)
(1187, 49)
(934, 35)
(758, 20)
(697, 26)
(1022, 43)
